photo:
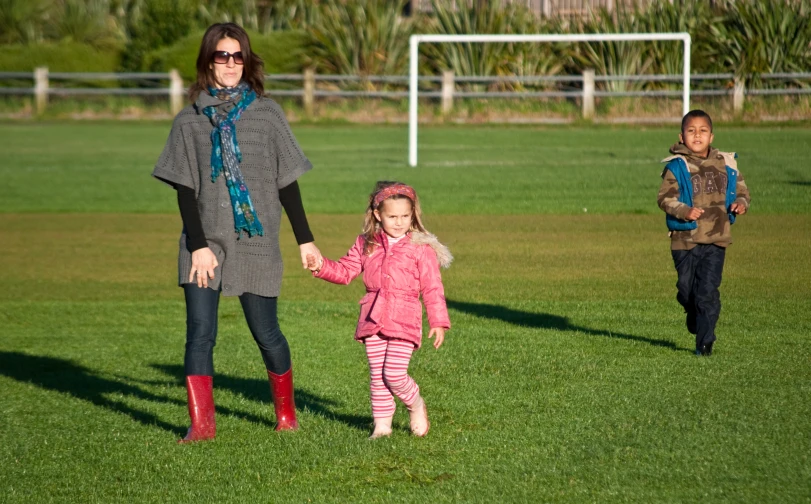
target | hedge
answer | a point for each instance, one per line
(283, 52)
(62, 57)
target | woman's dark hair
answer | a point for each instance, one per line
(694, 114)
(253, 71)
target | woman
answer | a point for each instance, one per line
(234, 163)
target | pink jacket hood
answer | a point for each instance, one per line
(395, 276)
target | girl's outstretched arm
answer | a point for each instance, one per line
(342, 271)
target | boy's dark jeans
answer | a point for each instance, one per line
(700, 272)
(201, 330)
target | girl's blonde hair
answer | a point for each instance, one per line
(371, 227)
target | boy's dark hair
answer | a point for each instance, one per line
(694, 114)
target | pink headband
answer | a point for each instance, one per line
(390, 191)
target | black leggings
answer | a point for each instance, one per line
(201, 330)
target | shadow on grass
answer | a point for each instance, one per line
(80, 382)
(549, 321)
(257, 389)
(61, 375)
(801, 183)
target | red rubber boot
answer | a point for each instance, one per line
(281, 389)
(201, 409)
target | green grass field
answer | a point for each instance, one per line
(568, 375)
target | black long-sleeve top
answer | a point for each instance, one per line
(289, 196)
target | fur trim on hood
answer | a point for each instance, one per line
(443, 255)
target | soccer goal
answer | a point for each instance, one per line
(415, 41)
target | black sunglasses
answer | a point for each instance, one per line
(222, 57)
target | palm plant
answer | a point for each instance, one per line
(363, 37)
(609, 57)
(23, 21)
(691, 16)
(86, 21)
(757, 37)
(290, 15)
(242, 12)
(126, 14)
(152, 24)
(466, 58)
(534, 59)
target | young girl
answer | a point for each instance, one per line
(400, 260)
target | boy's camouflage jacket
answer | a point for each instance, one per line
(708, 178)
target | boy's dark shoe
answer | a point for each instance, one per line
(705, 350)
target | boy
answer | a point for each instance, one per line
(701, 193)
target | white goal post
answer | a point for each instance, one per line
(415, 40)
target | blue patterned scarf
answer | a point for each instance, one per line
(226, 156)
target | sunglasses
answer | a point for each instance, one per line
(222, 57)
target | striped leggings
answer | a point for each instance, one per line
(388, 371)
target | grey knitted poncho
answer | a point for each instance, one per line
(271, 159)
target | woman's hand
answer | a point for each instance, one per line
(203, 262)
(313, 264)
(309, 249)
(440, 335)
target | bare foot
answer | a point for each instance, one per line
(382, 428)
(419, 418)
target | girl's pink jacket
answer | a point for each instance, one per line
(395, 277)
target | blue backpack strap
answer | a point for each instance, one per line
(732, 181)
(678, 167)
(732, 193)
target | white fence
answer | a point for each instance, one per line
(42, 87)
(446, 88)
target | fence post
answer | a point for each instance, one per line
(588, 94)
(175, 91)
(41, 89)
(447, 91)
(737, 94)
(308, 98)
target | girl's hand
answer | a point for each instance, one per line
(309, 249)
(314, 264)
(203, 262)
(737, 208)
(694, 214)
(440, 336)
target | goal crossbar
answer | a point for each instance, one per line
(415, 40)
